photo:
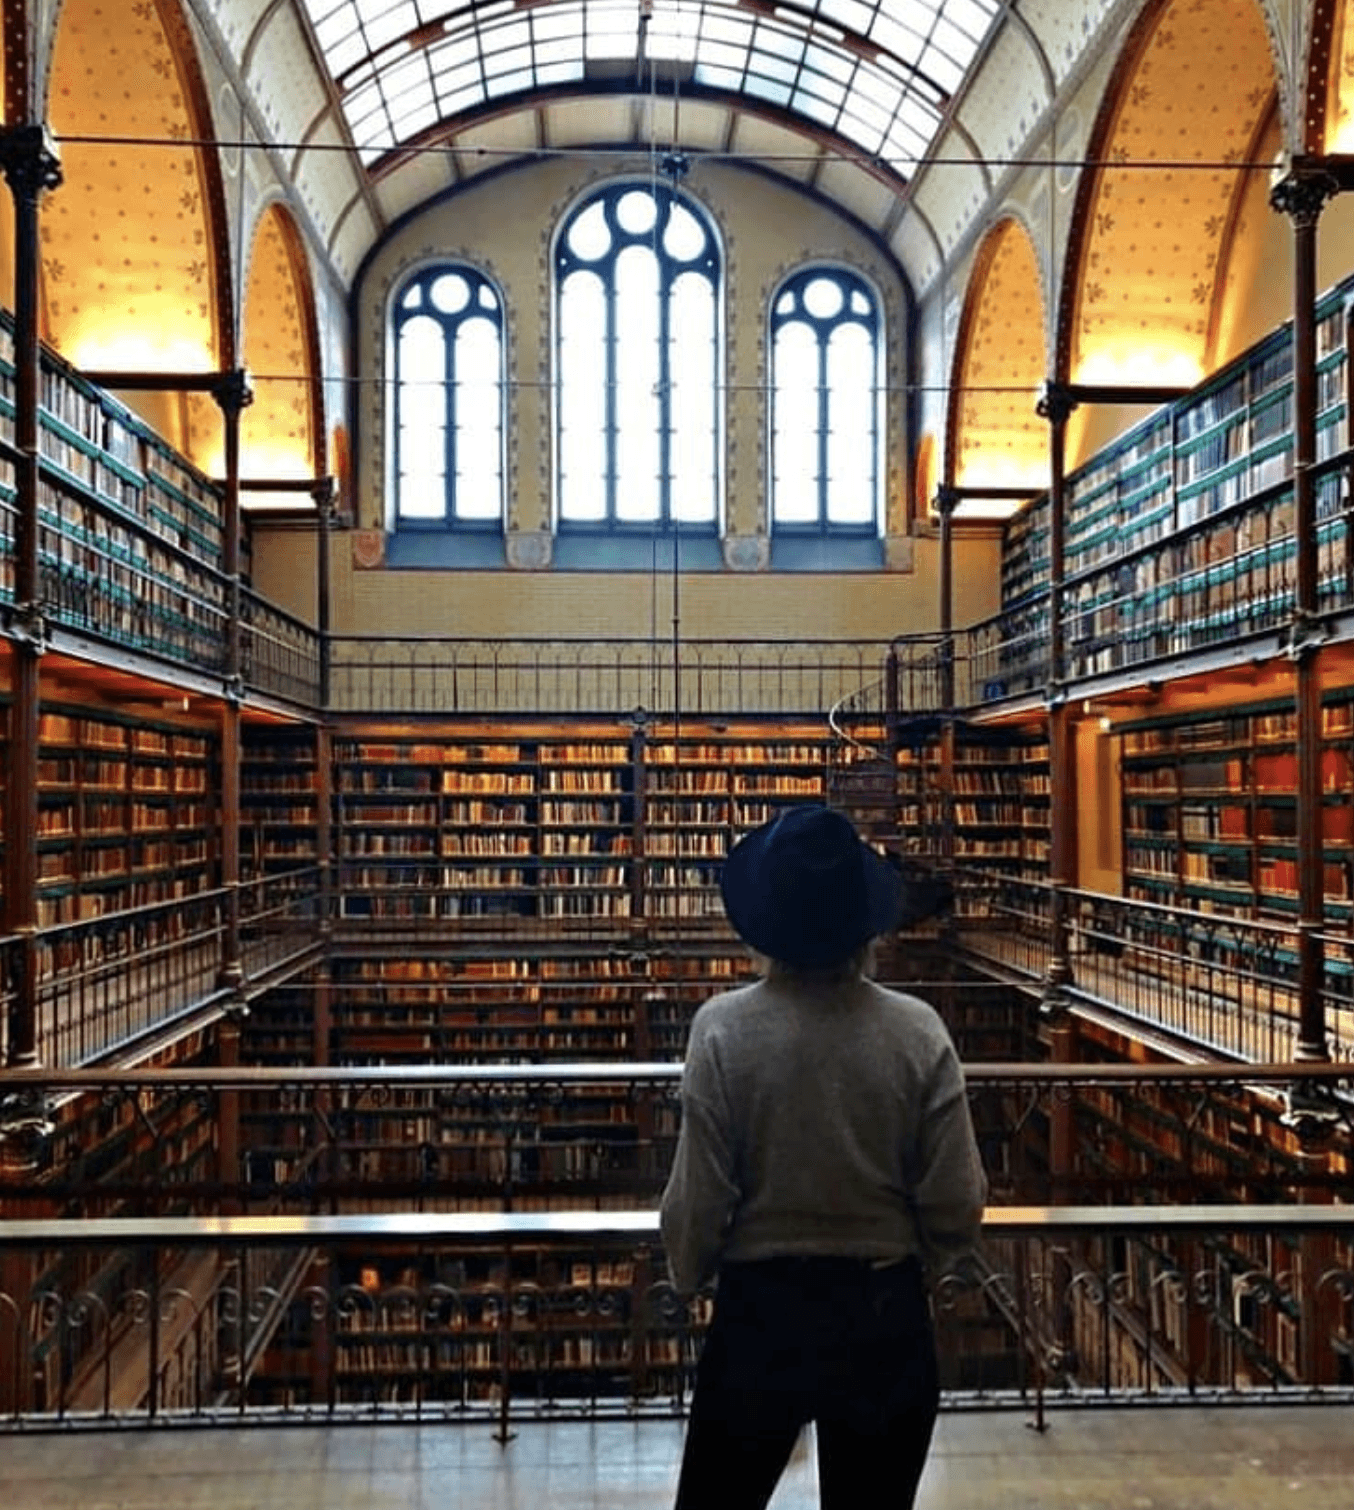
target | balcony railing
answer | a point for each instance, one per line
(496, 1317)
(104, 982)
(108, 575)
(1225, 984)
(448, 675)
(445, 1137)
(1226, 578)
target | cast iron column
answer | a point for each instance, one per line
(31, 165)
(233, 394)
(1302, 196)
(1056, 405)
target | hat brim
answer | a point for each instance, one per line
(749, 907)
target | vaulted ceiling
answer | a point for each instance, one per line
(893, 109)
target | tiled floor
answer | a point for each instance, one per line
(1128, 1459)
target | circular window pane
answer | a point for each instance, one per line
(589, 236)
(636, 212)
(684, 238)
(823, 298)
(451, 293)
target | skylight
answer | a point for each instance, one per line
(876, 72)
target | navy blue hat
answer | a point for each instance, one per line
(806, 890)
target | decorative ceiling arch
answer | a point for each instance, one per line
(282, 431)
(1189, 98)
(994, 438)
(135, 255)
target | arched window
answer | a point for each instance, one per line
(448, 330)
(826, 357)
(637, 272)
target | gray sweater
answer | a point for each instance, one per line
(820, 1119)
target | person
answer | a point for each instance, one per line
(826, 1160)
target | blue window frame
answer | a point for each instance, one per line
(449, 419)
(826, 361)
(637, 363)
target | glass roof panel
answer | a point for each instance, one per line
(812, 57)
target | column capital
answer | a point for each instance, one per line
(1056, 402)
(325, 494)
(1302, 193)
(29, 159)
(233, 390)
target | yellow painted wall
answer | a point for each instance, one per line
(623, 604)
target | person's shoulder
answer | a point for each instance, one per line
(910, 1012)
(717, 1010)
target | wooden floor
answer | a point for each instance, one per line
(1142, 1458)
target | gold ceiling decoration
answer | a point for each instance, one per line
(127, 256)
(277, 438)
(1340, 107)
(999, 439)
(1157, 234)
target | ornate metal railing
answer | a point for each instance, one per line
(106, 981)
(279, 653)
(1227, 577)
(110, 576)
(442, 1136)
(448, 675)
(501, 1317)
(1224, 984)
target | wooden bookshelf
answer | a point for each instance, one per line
(126, 815)
(445, 1006)
(279, 797)
(1180, 534)
(1210, 809)
(1001, 801)
(600, 826)
(1025, 553)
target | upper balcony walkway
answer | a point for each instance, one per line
(1203, 1457)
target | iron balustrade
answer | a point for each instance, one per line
(493, 1317)
(505, 1135)
(109, 575)
(104, 982)
(279, 653)
(1225, 984)
(1004, 918)
(1226, 577)
(1004, 656)
(447, 675)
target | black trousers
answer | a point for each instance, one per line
(835, 1341)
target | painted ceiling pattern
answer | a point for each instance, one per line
(1165, 197)
(1340, 106)
(126, 249)
(275, 431)
(1000, 440)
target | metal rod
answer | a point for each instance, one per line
(519, 1226)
